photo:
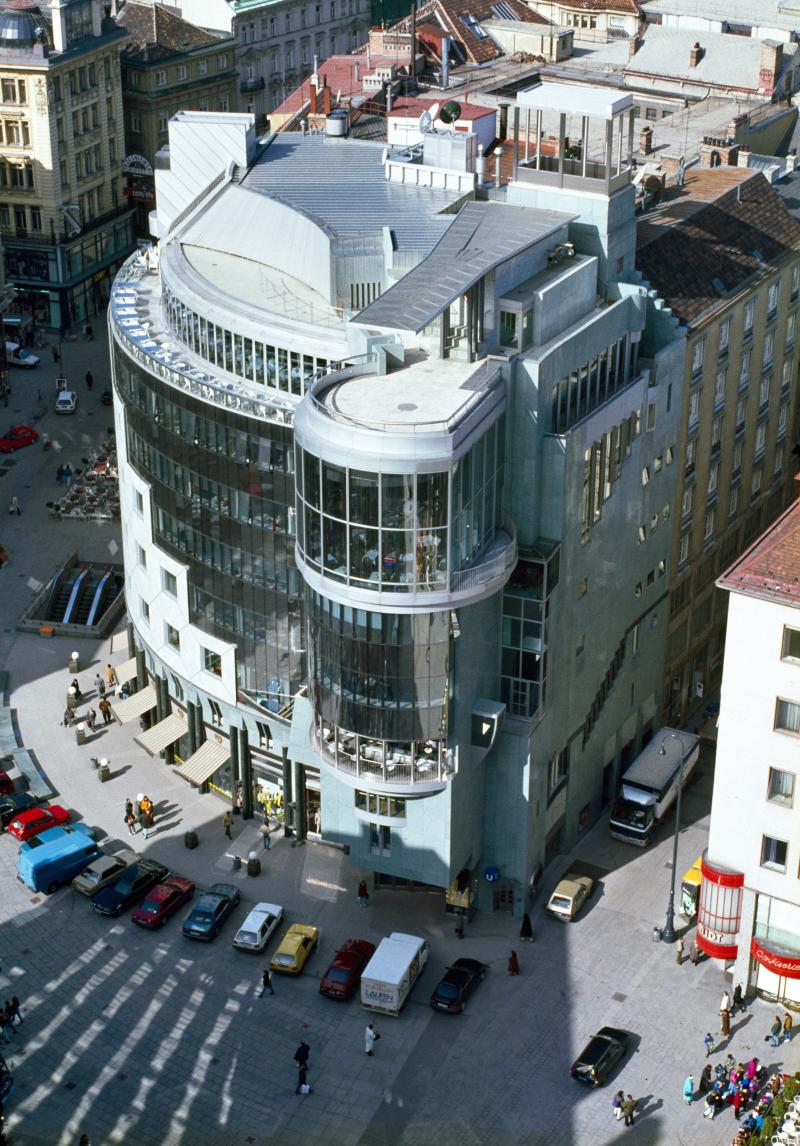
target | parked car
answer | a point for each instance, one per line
(17, 438)
(6, 783)
(163, 901)
(456, 985)
(570, 895)
(66, 402)
(13, 804)
(105, 869)
(57, 833)
(128, 887)
(254, 933)
(295, 948)
(600, 1055)
(36, 820)
(343, 977)
(205, 920)
(18, 356)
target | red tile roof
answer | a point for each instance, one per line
(343, 74)
(696, 252)
(770, 568)
(408, 106)
(156, 33)
(458, 18)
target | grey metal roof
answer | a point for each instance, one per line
(340, 182)
(749, 13)
(483, 235)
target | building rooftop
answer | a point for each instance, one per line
(344, 75)
(726, 61)
(483, 235)
(156, 33)
(770, 568)
(725, 225)
(629, 7)
(575, 99)
(405, 107)
(744, 13)
(461, 20)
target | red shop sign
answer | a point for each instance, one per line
(784, 965)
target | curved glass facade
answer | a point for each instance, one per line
(383, 674)
(399, 532)
(259, 362)
(223, 504)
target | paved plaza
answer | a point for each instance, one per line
(143, 1039)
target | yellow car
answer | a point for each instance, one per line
(295, 947)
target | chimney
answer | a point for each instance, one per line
(791, 163)
(769, 65)
(634, 44)
(356, 72)
(696, 54)
(743, 157)
(646, 140)
(413, 37)
(326, 99)
(312, 96)
(445, 62)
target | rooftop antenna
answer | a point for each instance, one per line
(425, 123)
(434, 110)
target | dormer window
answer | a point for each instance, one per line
(508, 328)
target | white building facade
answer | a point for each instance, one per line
(749, 912)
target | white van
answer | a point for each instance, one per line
(18, 356)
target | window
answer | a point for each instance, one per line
(737, 456)
(781, 787)
(790, 650)
(741, 413)
(169, 582)
(744, 373)
(388, 806)
(202, 68)
(182, 73)
(145, 609)
(557, 770)
(142, 556)
(694, 408)
(222, 103)
(216, 713)
(380, 839)
(786, 374)
(724, 336)
(635, 640)
(713, 478)
(779, 459)
(716, 431)
(163, 120)
(782, 413)
(177, 687)
(761, 437)
(697, 356)
(769, 348)
(212, 662)
(683, 553)
(650, 420)
(161, 78)
(172, 637)
(139, 502)
(733, 503)
(763, 390)
(772, 298)
(580, 645)
(646, 475)
(755, 484)
(773, 853)
(787, 716)
(719, 387)
(795, 281)
(686, 501)
(264, 735)
(222, 63)
(791, 322)
(136, 121)
(708, 527)
(691, 454)
(508, 328)
(657, 463)
(749, 316)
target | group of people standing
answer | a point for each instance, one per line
(139, 812)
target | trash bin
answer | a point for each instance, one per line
(80, 733)
(103, 771)
(253, 864)
(657, 934)
(190, 839)
(237, 863)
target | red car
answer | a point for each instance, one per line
(6, 783)
(18, 437)
(36, 820)
(164, 900)
(342, 978)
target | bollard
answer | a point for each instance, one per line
(656, 936)
(74, 664)
(190, 839)
(72, 700)
(103, 771)
(80, 733)
(237, 863)
(253, 864)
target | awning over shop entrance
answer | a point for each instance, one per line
(161, 735)
(211, 754)
(136, 705)
(126, 671)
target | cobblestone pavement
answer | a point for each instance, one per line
(151, 1039)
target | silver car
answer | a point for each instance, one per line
(103, 870)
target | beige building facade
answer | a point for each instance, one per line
(66, 225)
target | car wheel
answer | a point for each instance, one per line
(52, 887)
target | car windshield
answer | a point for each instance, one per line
(201, 917)
(561, 901)
(630, 813)
(447, 990)
(149, 907)
(90, 876)
(247, 937)
(593, 1053)
(337, 975)
(284, 959)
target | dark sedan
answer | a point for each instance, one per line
(12, 805)
(129, 887)
(343, 976)
(213, 907)
(6, 783)
(600, 1055)
(456, 985)
(163, 901)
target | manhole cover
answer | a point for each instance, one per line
(618, 997)
(407, 406)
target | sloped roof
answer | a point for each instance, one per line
(628, 7)
(156, 33)
(700, 252)
(458, 19)
(483, 235)
(727, 61)
(770, 568)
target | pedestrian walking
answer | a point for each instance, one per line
(68, 717)
(266, 983)
(15, 1012)
(227, 822)
(739, 1000)
(629, 1109)
(14, 506)
(6, 1026)
(616, 1104)
(265, 832)
(737, 1101)
(303, 1085)
(694, 954)
(705, 1079)
(688, 1090)
(105, 709)
(513, 964)
(77, 687)
(301, 1055)
(90, 718)
(56, 353)
(526, 929)
(89, 380)
(725, 1022)
(363, 894)
(144, 821)
(679, 952)
(111, 676)
(775, 1031)
(69, 475)
(99, 685)
(371, 1036)
(709, 1044)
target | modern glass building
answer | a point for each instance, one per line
(388, 547)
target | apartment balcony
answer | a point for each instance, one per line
(255, 85)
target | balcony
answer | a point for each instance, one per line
(423, 765)
(254, 85)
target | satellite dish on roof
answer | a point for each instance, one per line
(425, 122)
(450, 112)
(433, 110)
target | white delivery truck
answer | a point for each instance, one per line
(650, 785)
(392, 971)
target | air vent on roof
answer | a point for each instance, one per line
(758, 255)
(719, 286)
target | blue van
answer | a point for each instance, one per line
(47, 865)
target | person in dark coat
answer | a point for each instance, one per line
(301, 1055)
(738, 999)
(513, 964)
(705, 1079)
(526, 929)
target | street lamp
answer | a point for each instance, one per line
(669, 928)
